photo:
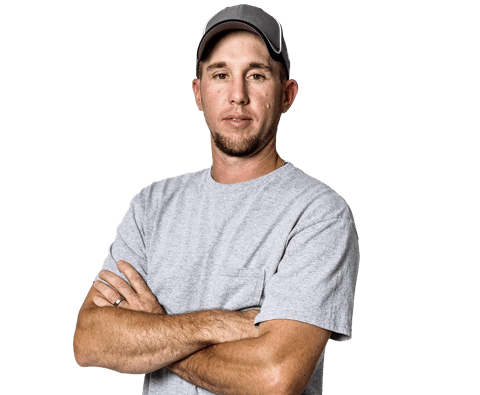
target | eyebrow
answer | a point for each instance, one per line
(253, 65)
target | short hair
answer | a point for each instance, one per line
(211, 44)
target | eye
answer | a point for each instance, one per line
(220, 76)
(257, 77)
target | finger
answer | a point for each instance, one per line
(100, 302)
(108, 293)
(133, 277)
(120, 285)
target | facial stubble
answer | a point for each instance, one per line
(239, 147)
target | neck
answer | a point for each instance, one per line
(232, 170)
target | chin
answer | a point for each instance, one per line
(236, 148)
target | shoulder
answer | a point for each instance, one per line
(163, 190)
(317, 201)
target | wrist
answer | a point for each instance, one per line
(233, 325)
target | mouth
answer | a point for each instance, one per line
(238, 120)
(238, 117)
(238, 123)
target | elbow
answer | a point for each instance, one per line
(79, 352)
(90, 344)
(277, 386)
(81, 343)
(279, 377)
(280, 381)
(81, 360)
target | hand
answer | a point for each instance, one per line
(249, 315)
(238, 325)
(137, 294)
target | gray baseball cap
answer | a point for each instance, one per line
(254, 19)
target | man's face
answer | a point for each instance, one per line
(240, 94)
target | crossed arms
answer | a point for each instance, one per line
(219, 350)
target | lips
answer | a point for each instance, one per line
(238, 121)
(237, 117)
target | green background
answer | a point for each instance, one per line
(96, 103)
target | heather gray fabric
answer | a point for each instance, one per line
(285, 243)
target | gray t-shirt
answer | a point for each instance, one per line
(284, 243)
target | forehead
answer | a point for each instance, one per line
(240, 46)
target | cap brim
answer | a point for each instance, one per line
(227, 25)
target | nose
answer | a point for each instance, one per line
(238, 91)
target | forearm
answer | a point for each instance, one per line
(136, 342)
(239, 367)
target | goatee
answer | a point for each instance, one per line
(236, 147)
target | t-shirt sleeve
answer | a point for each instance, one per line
(316, 277)
(129, 243)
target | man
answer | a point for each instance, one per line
(237, 274)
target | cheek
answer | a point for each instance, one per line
(214, 96)
(211, 106)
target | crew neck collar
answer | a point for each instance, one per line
(214, 185)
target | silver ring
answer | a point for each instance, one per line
(118, 301)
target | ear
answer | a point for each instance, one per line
(196, 92)
(289, 93)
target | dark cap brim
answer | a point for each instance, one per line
(232, 25)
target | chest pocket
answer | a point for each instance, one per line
(236, 289)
